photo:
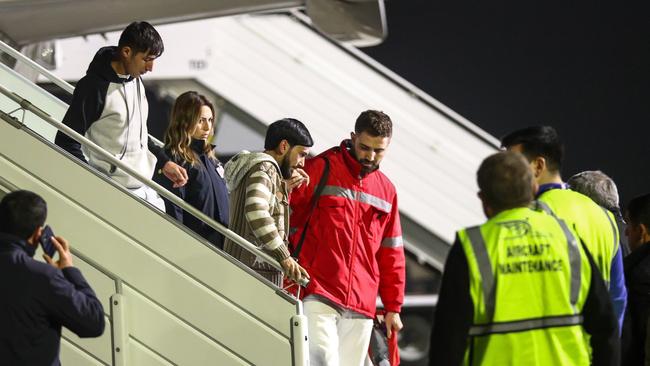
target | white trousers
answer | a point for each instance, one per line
(151, 196)
(336, 339)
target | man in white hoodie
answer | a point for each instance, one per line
(258, 183)
(109, 107)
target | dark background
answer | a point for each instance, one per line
(582, 68)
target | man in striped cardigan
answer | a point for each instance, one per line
(258, 184)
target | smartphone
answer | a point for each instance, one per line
(46, 241)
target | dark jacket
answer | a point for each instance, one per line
(37, 299)
(620, 223)
(205, 190)
(635, 327)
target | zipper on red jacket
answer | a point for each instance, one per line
(354, 240)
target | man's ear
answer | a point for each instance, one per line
(36, 236)
(126, 52)
(283, 147)
(538, 165)
(486, 209)
(645, 233)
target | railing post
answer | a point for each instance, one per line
(11, 120)
(25, 104)
(119, 334)
(299, 338)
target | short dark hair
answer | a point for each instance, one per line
(374, 123)
(505, 181)
(638, 210)
(142, 37)
(21, 213)
(538, 141)
(288, 129)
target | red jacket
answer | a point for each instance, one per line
(353, 248)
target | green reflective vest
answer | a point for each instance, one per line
(529, 279)
(595, 225)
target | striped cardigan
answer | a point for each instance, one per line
(258, 210)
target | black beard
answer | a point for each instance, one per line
(365, 170)
(285, 168)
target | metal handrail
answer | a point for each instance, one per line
(36, 67)
(81, 139)
(11, 187)
(25, 104)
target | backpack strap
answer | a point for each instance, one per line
(312, 205)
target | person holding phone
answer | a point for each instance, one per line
(46, 241)
(39, 298)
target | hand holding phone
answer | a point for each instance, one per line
(55, 244)
(46, 241)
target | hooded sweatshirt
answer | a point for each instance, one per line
(258, 210)
(111, 110)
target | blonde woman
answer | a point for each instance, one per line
(187, 144)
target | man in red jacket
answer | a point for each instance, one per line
(352, 243)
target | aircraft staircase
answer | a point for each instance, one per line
(170, 297)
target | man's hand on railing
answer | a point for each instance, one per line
(293, 270)
(175, 173)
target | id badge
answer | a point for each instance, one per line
(221, 171)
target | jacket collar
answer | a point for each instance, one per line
(636, 256)
(352, 163)
(238, 167)
(198, 146)
(12, 242)
(550, 186)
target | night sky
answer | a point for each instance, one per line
(584, 69)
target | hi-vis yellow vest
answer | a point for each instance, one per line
(595, 225)
(529, 279)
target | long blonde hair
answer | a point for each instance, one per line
(185, 115)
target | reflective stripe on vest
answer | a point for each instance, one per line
(613, 225)
(484, 267)
(524, 325)
(488, 282)
(584, 216)
(574, 254)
